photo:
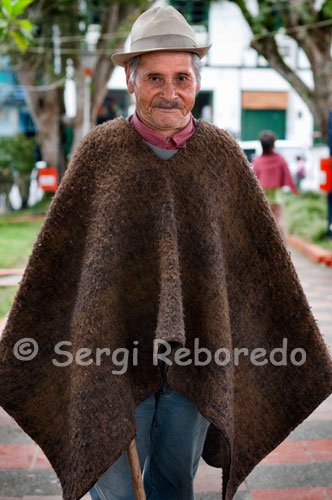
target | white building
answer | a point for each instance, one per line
(245, 95)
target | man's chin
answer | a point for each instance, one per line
(172, 117)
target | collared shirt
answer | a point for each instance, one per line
(160, 140)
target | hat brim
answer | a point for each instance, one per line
(121, 59)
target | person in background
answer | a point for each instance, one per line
(300, 171)
(273, 173)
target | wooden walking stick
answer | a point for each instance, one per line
(135, 469)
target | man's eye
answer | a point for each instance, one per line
(153, 78)
(182, 78)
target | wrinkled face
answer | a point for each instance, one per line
(165, 88)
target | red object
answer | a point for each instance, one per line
(326, 166)
(48, 178)
(160, 140)
(88, 71)
(272, 171)
(312, 251)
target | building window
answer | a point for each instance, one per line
(317, 136)
(203, 107)
(8, 76)
(277, 12)
(285, 50)
(95, 10)
(26, 122)
(195, 11)
(261, 111)
(253, 121)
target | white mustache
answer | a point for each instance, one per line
(172, 104)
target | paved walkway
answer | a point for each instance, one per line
(299, 469)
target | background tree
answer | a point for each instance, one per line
(310, 26)
(15, 31)
(60, 28)
(17, 160)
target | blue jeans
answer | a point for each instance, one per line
(170, 435)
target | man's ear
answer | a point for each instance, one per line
(130, 85)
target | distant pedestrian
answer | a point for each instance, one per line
(300, 171)
(273, 173)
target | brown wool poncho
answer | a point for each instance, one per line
(136, 248)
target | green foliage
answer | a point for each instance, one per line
(326, 10)
(17, 154)
(73, 18)
(275, 14)
(15, 32)
(306, 216)
(312, 195)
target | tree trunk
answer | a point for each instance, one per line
(47, 109)
(78, 120)
(318, 98)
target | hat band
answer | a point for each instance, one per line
(163, 42)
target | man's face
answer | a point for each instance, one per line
(165, 88)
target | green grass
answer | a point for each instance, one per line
(306, 216)
(16, 241)
(7, 295)
(39, 209)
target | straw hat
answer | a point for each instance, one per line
(160, 28)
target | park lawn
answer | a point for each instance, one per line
(7, 294)
(306, 216)
(39, 208)
(16, 241)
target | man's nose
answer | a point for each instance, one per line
(169, 91)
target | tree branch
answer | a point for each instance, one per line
(314, 40)
(251, 20)
(268, 48)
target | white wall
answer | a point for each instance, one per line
(9, 121)
(227, 73)
(229, 34)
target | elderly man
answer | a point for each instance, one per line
(159, 301)
(170, 430)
